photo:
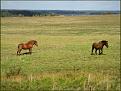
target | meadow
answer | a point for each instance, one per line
(63, 59)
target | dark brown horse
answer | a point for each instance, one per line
(99, 46)
(26, 46)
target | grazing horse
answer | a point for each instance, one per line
(99, 46)
(26, 46)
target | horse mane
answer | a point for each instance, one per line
(104, 41)
(31, 41)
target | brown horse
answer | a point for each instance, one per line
(26, 46)
(99, 46)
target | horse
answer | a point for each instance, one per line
(99, 46)
(26, 46)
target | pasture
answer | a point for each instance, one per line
(62, 60)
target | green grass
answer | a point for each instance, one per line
(62, 61)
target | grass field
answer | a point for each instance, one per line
(62, 61)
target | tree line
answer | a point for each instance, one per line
(8, 13)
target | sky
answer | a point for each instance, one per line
(61, 5)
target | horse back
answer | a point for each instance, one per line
(22, 46)
(97, 45)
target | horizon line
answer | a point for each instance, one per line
(59, 9)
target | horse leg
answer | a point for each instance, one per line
(18, 52)
(99, 52)
(96, 51)
(92, 50)
(19, 49)
(30, 50)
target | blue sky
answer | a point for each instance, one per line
(61, 5)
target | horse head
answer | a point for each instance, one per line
(105, 43)
(35, 43)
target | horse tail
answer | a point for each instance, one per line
(19, 45)
(19, 48)
(92, 48)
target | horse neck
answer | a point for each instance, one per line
(103, 44)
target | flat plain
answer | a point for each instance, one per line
(63, 59)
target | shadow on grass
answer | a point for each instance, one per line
(98, 54)
(26, 53)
